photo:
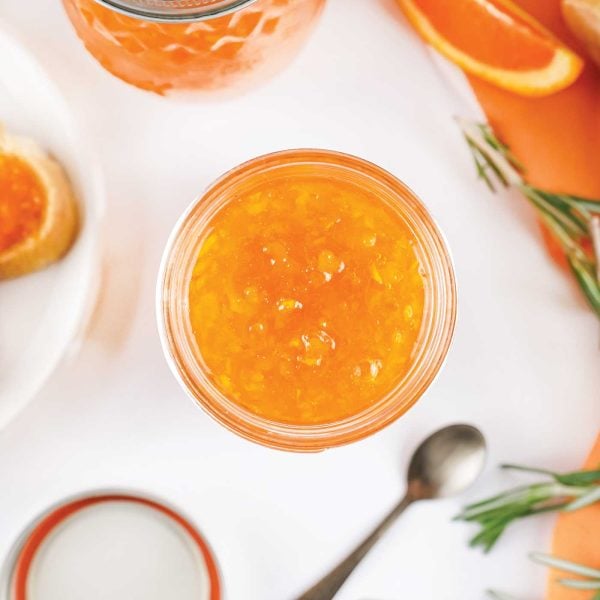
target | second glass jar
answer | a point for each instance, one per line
(215, 46)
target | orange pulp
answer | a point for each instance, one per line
(203, 55)
(22, 201)
(306, 299)
(484, 33)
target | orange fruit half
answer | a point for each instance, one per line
(497, 41)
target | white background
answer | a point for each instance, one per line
(524, 365)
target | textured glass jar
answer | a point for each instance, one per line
(173, 314)
(193, 45)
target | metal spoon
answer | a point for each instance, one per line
(446, 463)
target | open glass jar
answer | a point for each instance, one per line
(193, 45)
(306, 300)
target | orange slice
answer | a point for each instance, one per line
(497, 41)
(38, 214)
(576, 539)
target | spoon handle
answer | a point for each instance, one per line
(326, 588)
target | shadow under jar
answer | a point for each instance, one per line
(306, 300)
(193, 45)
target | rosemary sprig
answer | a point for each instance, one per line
(573, 221)
(562, 492)
(590, 581)
(591, 577)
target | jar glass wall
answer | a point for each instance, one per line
(221, 46)
(193, 237)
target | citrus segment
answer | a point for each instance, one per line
(497, 41)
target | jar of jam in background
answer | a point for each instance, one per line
(196, 45)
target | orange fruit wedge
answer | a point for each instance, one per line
(497, 41)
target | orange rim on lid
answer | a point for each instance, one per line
(92, 545)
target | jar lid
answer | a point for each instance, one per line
(175, 10)
(111, 544)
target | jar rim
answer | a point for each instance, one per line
(436, 330)
(175, 11)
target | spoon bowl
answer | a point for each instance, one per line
(446, 463)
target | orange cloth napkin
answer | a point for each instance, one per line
(577, 538)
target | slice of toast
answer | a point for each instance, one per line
(33, 242)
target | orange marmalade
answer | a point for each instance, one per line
(22, 201)
(221, 52)
(306, 300)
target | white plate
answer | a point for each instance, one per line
(42, 315)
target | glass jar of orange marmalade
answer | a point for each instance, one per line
(306, 300)
(200, 45)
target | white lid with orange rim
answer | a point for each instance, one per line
(111, 545)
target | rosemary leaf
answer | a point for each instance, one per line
(560, 207)
(573, 478)
(592, 206)
(564, 565)
(499, 595)
(587, 282)
(578, 477)
(580, 584)
(586, 499)
(527, 469)
(553, 210)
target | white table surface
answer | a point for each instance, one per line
(524, 365)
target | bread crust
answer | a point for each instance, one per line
(60, 223)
